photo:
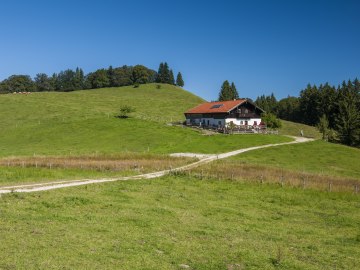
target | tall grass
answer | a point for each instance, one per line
(281, 177)
(143, 162)
(15, 170)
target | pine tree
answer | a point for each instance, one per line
(348, 118)
(225, 92)
(179, 80)
(166, 74)
(159, 77)
(234, 91)
(171, 77)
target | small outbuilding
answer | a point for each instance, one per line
(240, 112)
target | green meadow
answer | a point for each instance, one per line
(294, 129)
(84, 122)
(173, 221)
(316, 157)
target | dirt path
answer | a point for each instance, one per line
(202, 160)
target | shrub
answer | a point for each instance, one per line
(125, 111)
(271, 121)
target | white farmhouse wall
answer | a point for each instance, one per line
(241, 121)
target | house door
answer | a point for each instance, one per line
(246, 122)
(208, 122)
(255, 123)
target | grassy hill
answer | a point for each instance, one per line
(84, 122)
(207, 223)
(293, 129)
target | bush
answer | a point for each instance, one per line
(125, 111)
(271, 121)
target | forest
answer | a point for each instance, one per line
(334, 110)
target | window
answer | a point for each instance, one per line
(241, 122)
(246, 111)
(219, 123)
(216, 106)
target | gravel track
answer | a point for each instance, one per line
(202, 160)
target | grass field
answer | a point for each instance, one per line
(315, 157)
(175, 220)
(84, 122)
(293, 129)
(318, 164)
(163, 223)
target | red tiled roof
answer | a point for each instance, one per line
(208, 107)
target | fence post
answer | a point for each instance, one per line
(356, 189)
(282, 180)
(261, 179)
(330, 186)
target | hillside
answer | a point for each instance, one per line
(211, 222)
(293, 129)
(84, 122)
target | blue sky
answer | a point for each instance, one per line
(263, 46)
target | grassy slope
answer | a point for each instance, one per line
(166, 222)
(314, 157)
(291, 128)
(83, 122)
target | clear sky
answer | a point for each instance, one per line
(263, 46)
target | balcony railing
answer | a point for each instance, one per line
(244, 115)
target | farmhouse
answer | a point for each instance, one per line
(219, 114)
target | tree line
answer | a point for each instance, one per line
(70, 80)
(334, 110)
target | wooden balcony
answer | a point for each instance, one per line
(244, 115)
